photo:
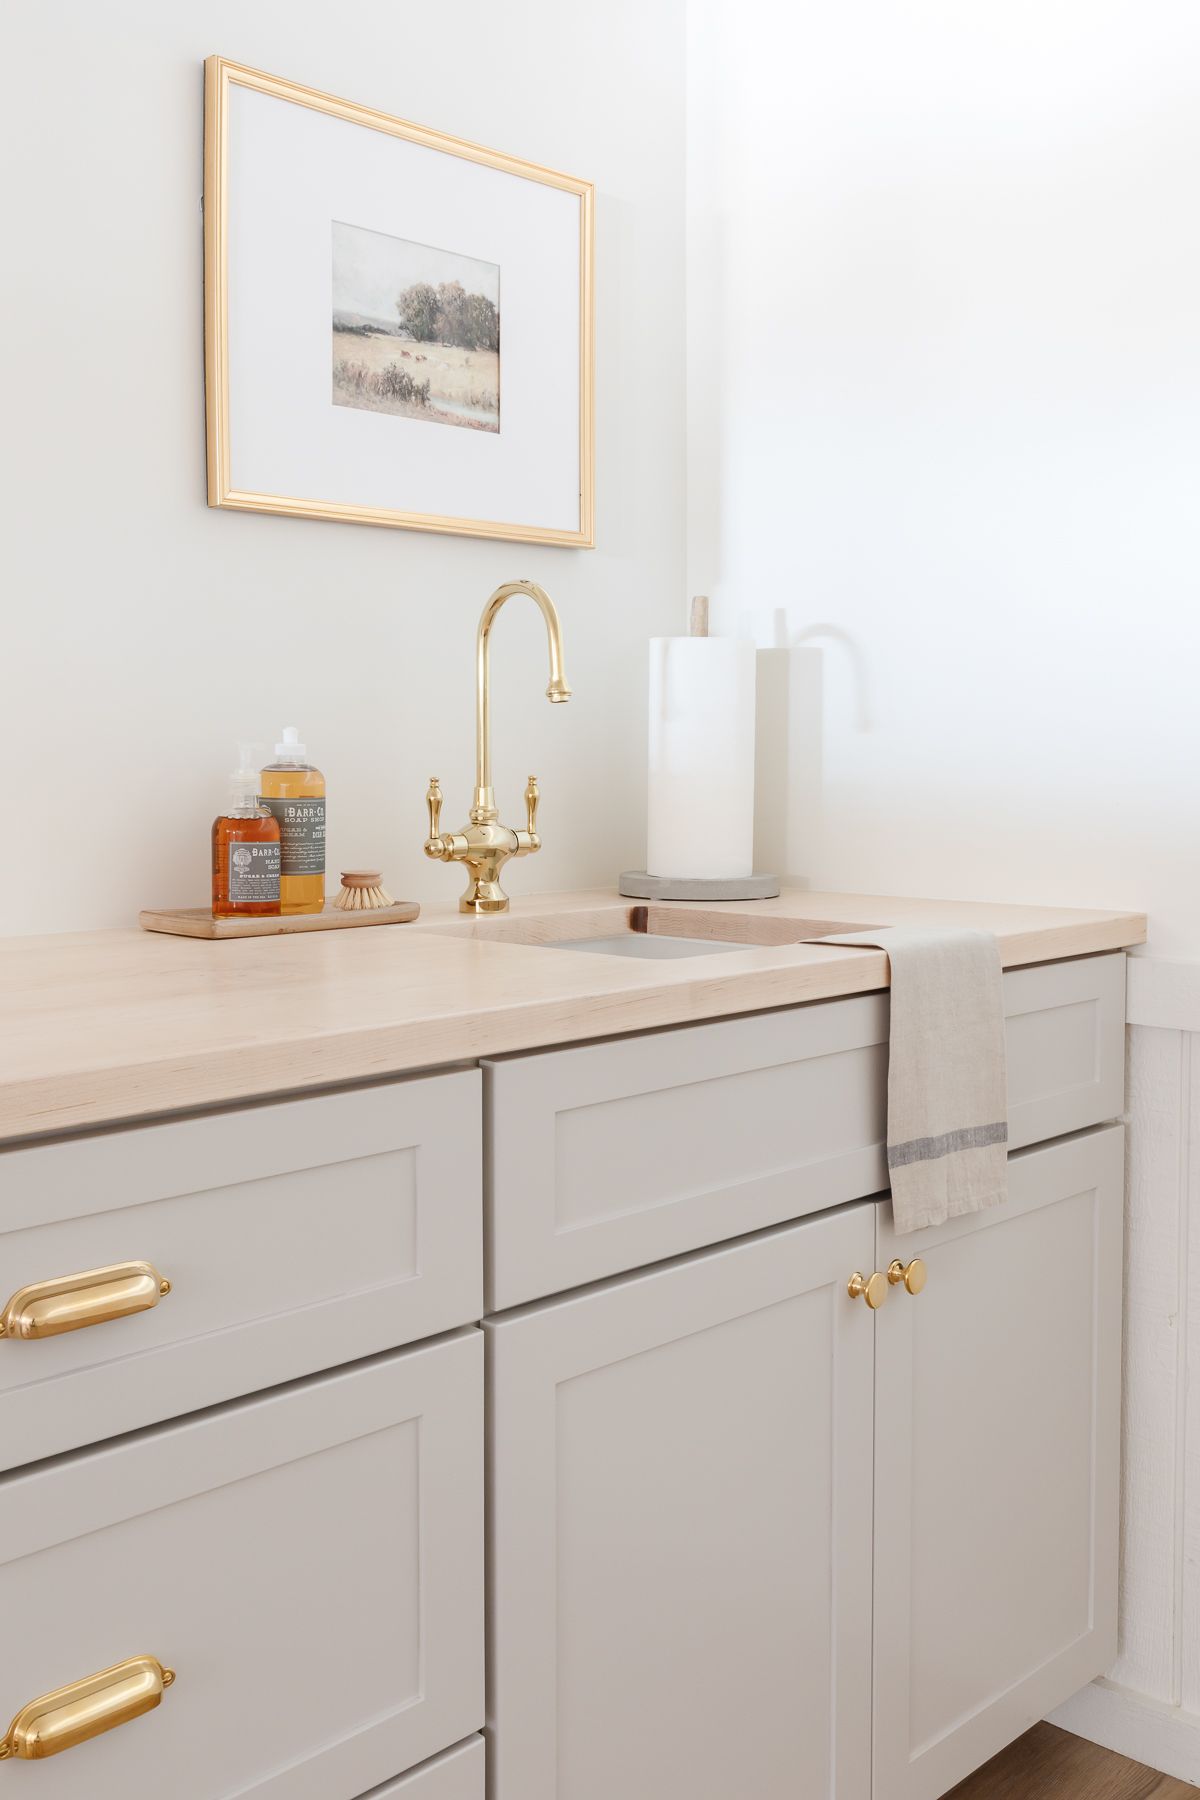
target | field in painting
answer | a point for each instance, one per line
(443, 382)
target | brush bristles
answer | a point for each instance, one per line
(363, 899)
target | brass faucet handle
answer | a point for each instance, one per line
(528, 840)
(433, 799)
(454, 847)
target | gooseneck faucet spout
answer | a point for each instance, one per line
(484, 809)
(486, 845)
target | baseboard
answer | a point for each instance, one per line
(1164, 1737)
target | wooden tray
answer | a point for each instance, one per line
(198, 922)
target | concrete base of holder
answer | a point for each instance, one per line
(637, 885)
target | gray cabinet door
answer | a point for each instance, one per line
(996, 1477)
(680, 1485)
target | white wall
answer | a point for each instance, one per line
(944, 437)
(144, 634)
(944, 396)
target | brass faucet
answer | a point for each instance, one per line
(486, 845)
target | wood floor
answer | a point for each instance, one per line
(1048, 1764)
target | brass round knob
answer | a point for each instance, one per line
(871, 1288)
(913, 1274)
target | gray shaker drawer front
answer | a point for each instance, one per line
(1066, 1047)
(294, 1237)
(309, 1563)
(613, 1155)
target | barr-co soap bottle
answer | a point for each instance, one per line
(245, 849)
(295, 793)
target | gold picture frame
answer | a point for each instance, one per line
(220, 76)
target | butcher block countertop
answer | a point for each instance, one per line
(108, 1026)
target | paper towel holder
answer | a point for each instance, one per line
(637, 884)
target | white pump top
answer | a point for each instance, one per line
(243, 782)
(291, 750)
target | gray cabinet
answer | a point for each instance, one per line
(682, 1466)
(747, 1537)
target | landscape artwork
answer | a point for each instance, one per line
(416, 330)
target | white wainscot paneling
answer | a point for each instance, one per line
(1149, 1706)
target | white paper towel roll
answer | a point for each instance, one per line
(700, 813)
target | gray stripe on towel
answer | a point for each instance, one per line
(927, 1149)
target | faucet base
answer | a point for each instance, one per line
(483, 897)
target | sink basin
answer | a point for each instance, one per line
(642, 944)
(655, 932)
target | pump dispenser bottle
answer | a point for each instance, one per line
(295, 793)
(245, 849)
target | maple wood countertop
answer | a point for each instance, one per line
(106, 1026)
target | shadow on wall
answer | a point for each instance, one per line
(789, 741)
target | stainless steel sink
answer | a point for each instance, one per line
(643, 945)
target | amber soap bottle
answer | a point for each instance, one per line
(245, 849)
(294, 792)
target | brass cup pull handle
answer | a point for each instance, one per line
(69, 1302)
(871, 1288)
(914, 1274)
(71, 1715)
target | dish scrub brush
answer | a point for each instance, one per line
(362, 891)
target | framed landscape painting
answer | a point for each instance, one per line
(398, 324)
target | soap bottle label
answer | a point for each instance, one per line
(301, 833)
(253, 873)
